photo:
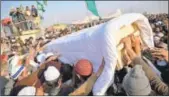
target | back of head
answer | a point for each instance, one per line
(135, 83)
(33, 6)
(27, 7)
(83, 67)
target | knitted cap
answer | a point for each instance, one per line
(135, 83)
(83, 67)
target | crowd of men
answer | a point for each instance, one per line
(22, 18)
(20, 59)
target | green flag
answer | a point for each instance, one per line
(92, 7)
(45, 2)
(40, 6)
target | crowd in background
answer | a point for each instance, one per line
(22, 19)
(125, 80)
(159, 24)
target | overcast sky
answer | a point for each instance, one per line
(69, 11)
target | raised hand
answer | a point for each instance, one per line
(127, 43)
(136, 44)
(160, 53)
(126, 59)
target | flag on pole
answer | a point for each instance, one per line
(92, 7)
(40, 6)
(45, 2)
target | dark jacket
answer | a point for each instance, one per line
(116, 88)
(14, 17)
(20, 16)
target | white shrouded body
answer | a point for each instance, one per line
(97, 42)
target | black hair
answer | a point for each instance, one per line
(66, 71)
(66, 90)
(31, 37)
(40, 38)
(52, 83)
(10, 55)
(86, 77)
(35, 59)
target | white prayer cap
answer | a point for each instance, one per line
(41, 58)
(49, 54)
(51, 73)
(27, 91)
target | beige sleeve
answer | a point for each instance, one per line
(85, 88)
(157, 85)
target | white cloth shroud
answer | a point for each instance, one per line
(97, 42)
